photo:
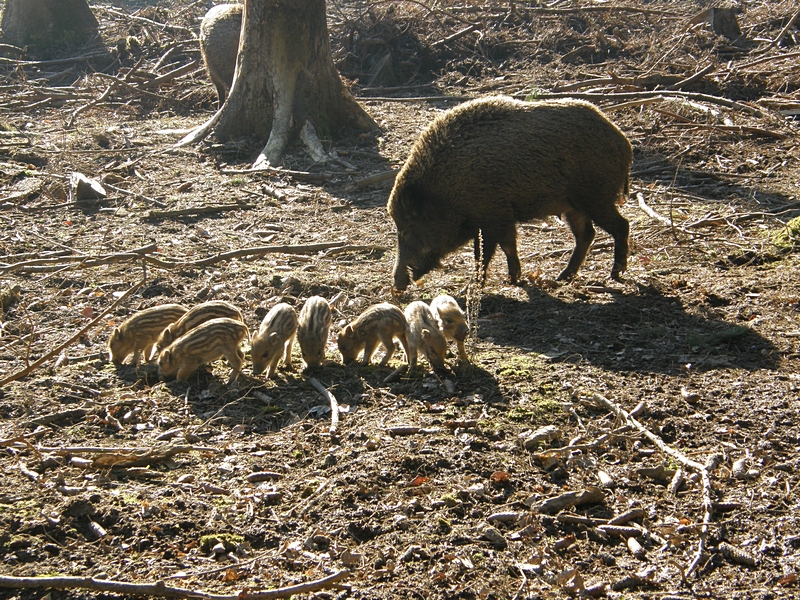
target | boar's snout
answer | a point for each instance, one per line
(415, 257)
(460, 334)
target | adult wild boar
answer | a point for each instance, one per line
(219, 45)
(488, 164)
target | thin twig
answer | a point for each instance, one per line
(58, 349)
(136, 195)
(160, 589)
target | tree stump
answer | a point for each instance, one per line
(285, 78)
(44, 24)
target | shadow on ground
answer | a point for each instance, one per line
(646, 331)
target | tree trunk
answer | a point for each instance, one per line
(47, 23)
(285, 77)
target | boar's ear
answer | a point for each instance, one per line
(412, 201)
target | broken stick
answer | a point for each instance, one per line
(333, 402)
(703, 470)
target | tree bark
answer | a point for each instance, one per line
(285, 77)
(47, 23)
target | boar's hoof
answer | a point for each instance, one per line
(566, 275)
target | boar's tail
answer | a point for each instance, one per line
(626, 192)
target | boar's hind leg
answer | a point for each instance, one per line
(583, 231)
(508, 244)
(617, 225)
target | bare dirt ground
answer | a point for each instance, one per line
(433, 485)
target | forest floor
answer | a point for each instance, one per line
(433, 485)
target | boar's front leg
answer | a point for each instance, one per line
(583, 230)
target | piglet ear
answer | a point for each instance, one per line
(273, 336)
(348, 330)
(426, 334)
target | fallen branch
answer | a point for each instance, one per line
(101, 98)
(766, 59)
(781, 35)
(696, 77)
(136, 195)
(368, 248)
(159, 588)
(457, 35)
(610, 7)
(104, 458)
(71, 415)
(687, 462)
(643, 205)
(14, 49)
(169, 76)
(333, 402)
(58, 349)
(612, 97)
(163, 26)
(633, 103)
(299, 175)
(59, 264)
(45, 265)
(254, 252)
(646, 81)
(593, 96)
(712, 221)
(396, 374)
(59, 61)
(199, 210)
(740, 129)
(199, 133)
(22, 437)
(373, 179)
(590, 495)
(120, 83)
